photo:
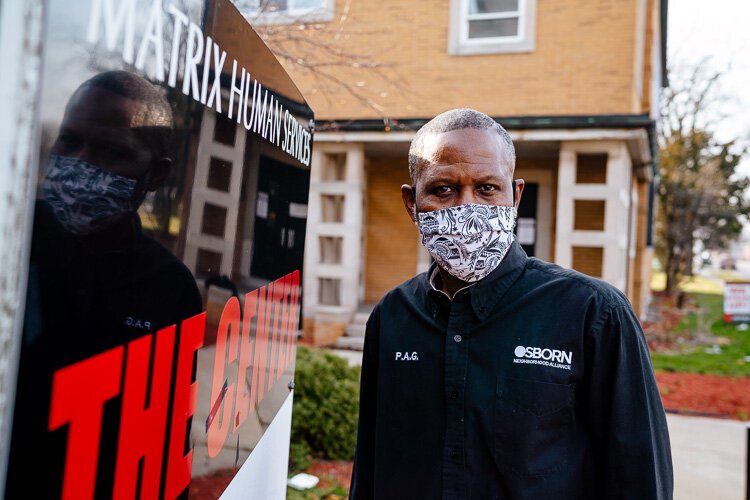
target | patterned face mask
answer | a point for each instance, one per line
(469, 241)
(85, 198)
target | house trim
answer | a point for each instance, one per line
(520, 128)
(638, 140)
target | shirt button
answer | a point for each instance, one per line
(452, 453)
(454, 395)
(457, 338)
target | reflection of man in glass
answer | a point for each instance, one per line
(112, 149)
(95, 280)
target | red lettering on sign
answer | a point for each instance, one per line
(228, 332)
(245, 405)
(278, 297)
(283, 328)
(179, 462)
(78, 395)
(293, 314)
(254, 374)
(142, 429)
(261, 345)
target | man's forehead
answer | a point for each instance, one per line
(106, 108)
(462, 135)
(103, 117)
(462, 146)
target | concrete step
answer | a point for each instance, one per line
(355, 330)
(354, 358)
(353, 343)
(360, 318)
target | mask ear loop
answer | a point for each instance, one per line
(515, 183)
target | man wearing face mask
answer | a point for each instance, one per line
(88, 246)
(95, 280)
(495, 375)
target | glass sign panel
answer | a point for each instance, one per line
(164, 278)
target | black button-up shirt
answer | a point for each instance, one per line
(535, 382)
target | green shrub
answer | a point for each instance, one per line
(300, 457)
(326, 401)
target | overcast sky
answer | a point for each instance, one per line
(718, 29)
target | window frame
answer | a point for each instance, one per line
(324, 13)
(459, 42)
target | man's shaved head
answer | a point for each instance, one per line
(153, 121)
(457, 119)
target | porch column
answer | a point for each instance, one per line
(333, 246)
(593, 207)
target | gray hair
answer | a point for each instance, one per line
(457, 119)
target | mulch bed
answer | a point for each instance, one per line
(338, 470)
(706, 395)
(211, 487)
(691, 393)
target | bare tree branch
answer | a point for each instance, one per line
(323, 50)
(701, 195)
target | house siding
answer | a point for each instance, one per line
(583, 63)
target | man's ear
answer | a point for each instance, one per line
(159, 172)
(407, 195)
(518, 185)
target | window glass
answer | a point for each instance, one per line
(307, 4)
(266, 6)
(491, 6)
(493, 28)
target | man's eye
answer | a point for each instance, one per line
(114, 153)
(110, 153)
(488, 187)
(443, 190)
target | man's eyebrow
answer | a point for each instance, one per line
(490, 179)
(496, 179)
(439, 179)
(104, 136)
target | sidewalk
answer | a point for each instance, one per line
(709, 458)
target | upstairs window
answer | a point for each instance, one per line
(492, 26)
(286, 11)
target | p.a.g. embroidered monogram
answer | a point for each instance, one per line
(407, 356)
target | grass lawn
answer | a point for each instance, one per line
(694, 284)
(730, 359)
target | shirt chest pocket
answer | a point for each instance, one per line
(533, 426)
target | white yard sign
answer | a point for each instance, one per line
(736, 302)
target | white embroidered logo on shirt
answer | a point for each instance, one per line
(553, 358)
(407, 356)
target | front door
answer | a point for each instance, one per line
(280, 218)
(526, 226)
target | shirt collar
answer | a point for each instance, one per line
(487, 292)
(434, 275)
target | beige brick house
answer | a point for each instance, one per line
(574, 81)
